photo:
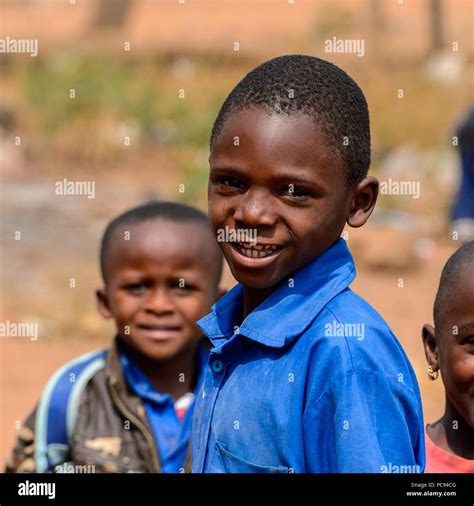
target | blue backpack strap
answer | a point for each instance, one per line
(57, 409)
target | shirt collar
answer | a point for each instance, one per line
(142, 386)
(291, 308)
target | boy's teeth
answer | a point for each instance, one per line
(249, 245)
(258, 247)
(256, 251)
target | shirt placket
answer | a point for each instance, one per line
(219, 363)
(213, 380)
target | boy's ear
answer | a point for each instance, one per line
(363, 201)
(430, 345)
(103, 305)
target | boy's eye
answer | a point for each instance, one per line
(296, 193)
(135, 288)
(185, 288)
(227, 183)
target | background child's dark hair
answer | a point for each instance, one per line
(455, 267)
(170, 211)
(306, 84)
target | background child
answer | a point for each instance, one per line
(129, 408)
(463, 207)
(449, 348)
(304, 376)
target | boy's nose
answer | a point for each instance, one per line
(255, 209)
(159, 301)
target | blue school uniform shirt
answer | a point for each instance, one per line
(312, 381)
(171, 434)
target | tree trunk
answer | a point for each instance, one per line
(111, 13)
(436, 25)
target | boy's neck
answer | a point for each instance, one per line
(166, 376)
(452, 433)
(253, 297)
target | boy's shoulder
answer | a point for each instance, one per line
(76, 369)
(354, 338)
(58, 406)
(349, 307)
(71, 379)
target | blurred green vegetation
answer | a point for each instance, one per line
(99, 84)
(117, 96)
(120, 89)
(334, 18)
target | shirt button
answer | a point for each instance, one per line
(217, 366)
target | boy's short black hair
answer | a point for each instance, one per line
(169, 211)
(318, 88)
(455, 268)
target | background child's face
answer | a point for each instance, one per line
(250, 188)
(154, 314)
(454, 352)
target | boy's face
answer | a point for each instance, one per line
(281, 182)
(452, 348)
(158, 284)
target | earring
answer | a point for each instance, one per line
(433, 375)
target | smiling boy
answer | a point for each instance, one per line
(285, 392)
(129, 408)
(449, 349)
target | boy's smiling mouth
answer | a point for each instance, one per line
(159, 332)
(254, 255)
(255, 250)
